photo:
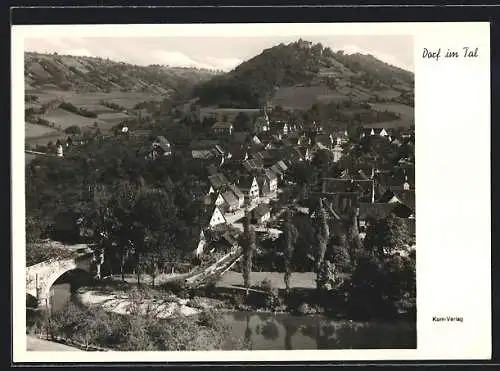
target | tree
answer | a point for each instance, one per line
(341, 258)
(387, 235)
(73, 129)
(323, 159)
(248, 250)
(290, 237)
(353, 238)
(322, 237)
(155, 222)
(326, 276)
(242, 122)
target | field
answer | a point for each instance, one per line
(64, 119)
(405, 111)
(401, 123)
(28, 157)
(387, 94)
(305, 280)
(302, 97)
(114, 117)
(34, 130)
(96, 108)
(45, 139)
(124, 99)
(299, 280)
(229, 112)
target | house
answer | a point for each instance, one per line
(261, 214)
(305, 153)
(204, 149)
(217, 218)
(250, 188)
(364, 188)
(253, 165)
(201, 244)
(231, 202)
(405, 196)
(219, 200)
(277, 170)
(262, 123)
(376, 211)
(212, 169)
(341, 138)
(292, 155)
(239, 153)
(203, 154)
(218, 181)
(59, 150)
(223, 128)
(292, 140)
(324, 140)
(240, 196)
(279, 128)
(161, 147)
(366, 132)
(254, 139)
(269, 183)
(282, 166)
(337, 152)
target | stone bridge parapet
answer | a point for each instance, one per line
(40, 277)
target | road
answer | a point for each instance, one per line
(36, 344)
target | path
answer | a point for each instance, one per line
(35, 344)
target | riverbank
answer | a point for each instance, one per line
(122, 302)
(34, 343)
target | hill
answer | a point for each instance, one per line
(98, 75)
(63, 91)
(300, 74)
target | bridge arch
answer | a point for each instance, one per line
(41, 277)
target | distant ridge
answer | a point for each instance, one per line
(94, 74)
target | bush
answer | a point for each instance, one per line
(178, 288)
(137, 333)
(305, 309)
(79, 111)
(266, 285)
(73, 129)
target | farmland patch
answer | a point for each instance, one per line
(35, 130)
(401, 123)
(303, 97)
(63, 119)
(401, 109)
(387, 94)
(114, 117)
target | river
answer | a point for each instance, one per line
(285, 332)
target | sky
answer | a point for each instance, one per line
(216, 52)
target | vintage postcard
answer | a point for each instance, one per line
(233, 192)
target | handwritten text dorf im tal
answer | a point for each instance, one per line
(467, 52)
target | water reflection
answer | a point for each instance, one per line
(284, 332)
(60, 294)
(62, 290)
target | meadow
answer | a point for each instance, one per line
(303, 97)
(35, 130)
(64, 119)
(405, 111)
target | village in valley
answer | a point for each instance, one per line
(190, 211)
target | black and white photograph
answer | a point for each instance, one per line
(220, 192)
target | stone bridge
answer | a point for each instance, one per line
(40, 277)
